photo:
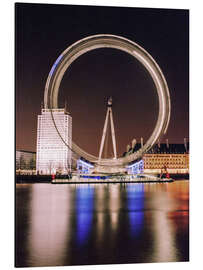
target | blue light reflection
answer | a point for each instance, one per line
(84, 212)
(135, 200)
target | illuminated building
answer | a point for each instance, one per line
(53, 155)
(173, 158)
(173, 163)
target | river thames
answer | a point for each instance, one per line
(81, 224)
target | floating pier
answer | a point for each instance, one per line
(104, 179)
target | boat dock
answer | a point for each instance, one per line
(85, 179)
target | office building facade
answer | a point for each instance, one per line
(53, 155)
(173, 158)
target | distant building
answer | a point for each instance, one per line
(25, 160)
(173, 158)
(53, 155)
(172, 163)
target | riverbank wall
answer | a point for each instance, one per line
(48, 178)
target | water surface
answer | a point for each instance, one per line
(76, 224)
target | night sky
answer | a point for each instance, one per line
(44, 31)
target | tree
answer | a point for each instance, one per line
(22, 163)
(50, 166)
(59, 168)
(32, 164)
(17, 164)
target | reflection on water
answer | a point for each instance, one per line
(101, 223)
(84, 212)
(135, 196)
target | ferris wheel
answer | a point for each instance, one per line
(117, 42)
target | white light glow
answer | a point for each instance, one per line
(112, 41)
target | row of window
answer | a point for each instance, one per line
(168, 166)
(164, 162)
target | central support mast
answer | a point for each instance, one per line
(108, 114)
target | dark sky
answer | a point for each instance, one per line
(44, 31)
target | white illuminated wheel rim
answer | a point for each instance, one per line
(110, 41)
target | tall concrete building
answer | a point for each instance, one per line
(53, 155)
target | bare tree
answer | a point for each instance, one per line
(17, 164)
(32, 164)
(59, 168)
(50, 166)
(22, 163)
